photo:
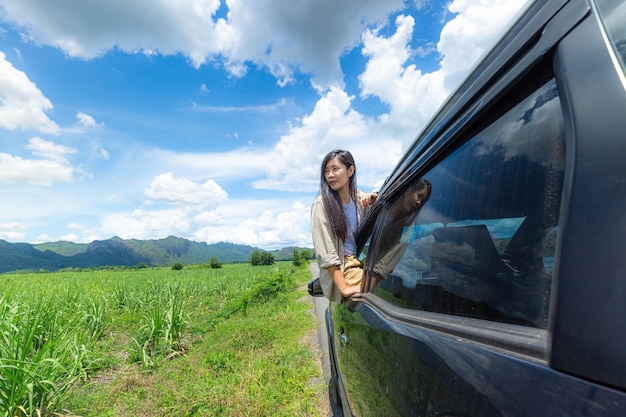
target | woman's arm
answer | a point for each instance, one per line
(340, 282)
(326, 252)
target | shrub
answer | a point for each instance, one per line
(215, 263)
(296, 258)
(306, 254)
(261, 258)
(177, 266)
(301, 257)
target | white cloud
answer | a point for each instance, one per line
(52, 166)
(332, 124)
(49, 150)
(262, 223)
(75, 226)
(104, 154)
(22, 105)
(86, 121)
(43, 238)
(184, 191)
(147, 224)
(468, 35)
(412, 95)
(307, 36)
(88, 30)
(192, 207)
(13, 231)
(85, 234)
(269, 224)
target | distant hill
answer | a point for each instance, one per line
(122, 252)
(63, 247)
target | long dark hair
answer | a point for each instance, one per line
(331, 199)
(396, 224)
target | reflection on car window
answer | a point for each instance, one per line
(613, 15)
(483, 244)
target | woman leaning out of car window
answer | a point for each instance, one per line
(335, 215)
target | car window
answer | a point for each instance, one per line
(613, 16)
(483, 243)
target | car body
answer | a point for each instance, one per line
(506, 294)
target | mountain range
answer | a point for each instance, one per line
(25, 257)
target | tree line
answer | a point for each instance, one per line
(259, 257)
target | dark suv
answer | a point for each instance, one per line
(506, 294)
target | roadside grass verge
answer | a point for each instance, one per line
(195, 342)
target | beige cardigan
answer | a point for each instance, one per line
(328, 249)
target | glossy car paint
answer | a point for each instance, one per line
(399, 369)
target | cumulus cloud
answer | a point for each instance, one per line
(306, 36)
(52, 165)
(83, 234)
(22, 105)
(13, 231)
(88, 30)
(412, 97)
(332, 124)
(264, 223)
(270, 224)
(190, 207)
(184, 191)
(467, 36)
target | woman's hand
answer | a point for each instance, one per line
(348, 292)
(369, 199)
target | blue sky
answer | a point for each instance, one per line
(208, 119)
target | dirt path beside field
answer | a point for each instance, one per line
(319, 346)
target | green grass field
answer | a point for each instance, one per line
(158, 342)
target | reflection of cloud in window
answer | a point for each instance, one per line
(531, 129)
(420, 230)
(540, 100)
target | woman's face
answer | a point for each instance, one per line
(414, 199)
(337, 175)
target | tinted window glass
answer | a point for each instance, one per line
(482, 245)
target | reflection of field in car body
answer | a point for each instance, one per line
(370, 349)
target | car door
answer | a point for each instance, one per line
(477, 259)
(458, 315)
